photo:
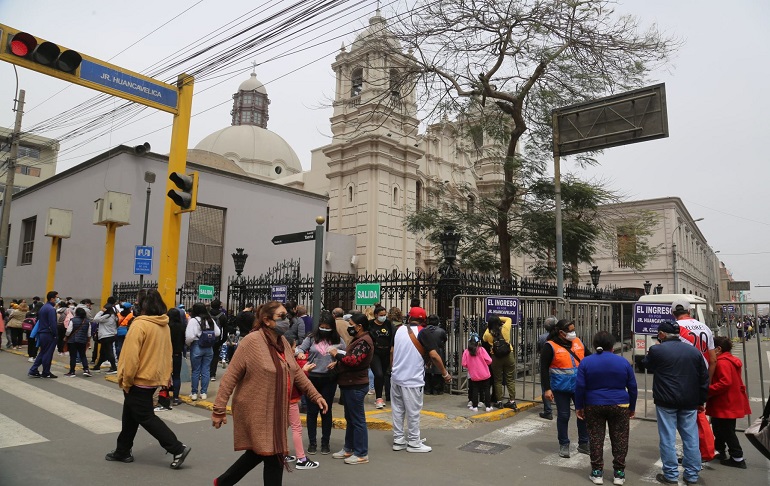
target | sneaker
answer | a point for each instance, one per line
(325, 449)
(733, 463)
(512, 405)
(690, 481)
(399, 445)
(312, 449)
(87, 374)
(357, 460)
(71, 374)
(583, 449)
(97, 370)
(488, 409)
(203, 396)
(306, 463)
(213, 378)
(49, 375)
(470, 403)
(291, 458)
(421, 447)
(114, 456)
(179, 458)
(379, 403)
(547, 416)
(193, 396)
(499, 405)
(30, 360)
(160, 408)
(662, 479)
(474, 409)
(596, 477)
(111, 372)
(370, 392)
(342, 454)
(564, 450)
(720, 456)
(177, 402)
(34, 374)
(619, 478)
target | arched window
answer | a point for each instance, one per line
(356, 82)
(418, 195)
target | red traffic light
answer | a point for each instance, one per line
(46, 53)
(23, 44)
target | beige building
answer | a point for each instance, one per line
(36, 160)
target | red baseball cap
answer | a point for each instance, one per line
(418, 313)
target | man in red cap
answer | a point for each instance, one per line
(411, 348)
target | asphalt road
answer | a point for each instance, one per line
(57, 431)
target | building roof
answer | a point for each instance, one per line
(377, 30)
(252, 84)
(251, 143)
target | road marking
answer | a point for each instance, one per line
(14, 434)
(515, 431)
(649, 477)
(175, 416)
(576, 459)
(96, 422)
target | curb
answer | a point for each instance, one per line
(501, 414)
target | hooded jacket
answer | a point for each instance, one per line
(108, 323)
(146, 356)
(727, 393)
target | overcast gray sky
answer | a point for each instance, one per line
(716, 93)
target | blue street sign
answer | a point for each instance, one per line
(728, 309)
(278, 292)
(647, 317)
(143, 260)
(126, 83)
(503, 306)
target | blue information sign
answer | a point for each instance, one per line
(278, 292)
(126, 83)
(503, 306)
(143, 260)
(728, 309)
(647, 317)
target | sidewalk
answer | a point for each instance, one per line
(439, 411)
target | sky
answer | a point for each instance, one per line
(715, 87)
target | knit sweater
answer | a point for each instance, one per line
(605, 379)
(145, 358)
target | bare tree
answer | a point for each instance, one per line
(525, 58)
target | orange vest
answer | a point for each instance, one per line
(561, 357)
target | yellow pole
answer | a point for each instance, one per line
(109, 256)
(51, 280)
(172, 219)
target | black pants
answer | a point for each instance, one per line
(60, 330)
(77, 350)
(17, 336)
(106, 353)
(327, 387)
(479, 392)
(434, 384)
(95, 348)
(31, 346)
(176, 376)
(724, 434)
(215, 360)
(380, 365)
(138, 410)
(271, 476)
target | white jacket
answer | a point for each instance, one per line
(194, 329)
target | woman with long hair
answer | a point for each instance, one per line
(381, 330)
(260, 379)
(197, 336)
(177, 345)
(316, 349)
(498, 336)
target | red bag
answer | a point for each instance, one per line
(706, 438)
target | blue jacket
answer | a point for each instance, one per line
(681, 378)
(47, 320)
(605, 379)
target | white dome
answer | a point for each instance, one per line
(248, 143)
(377, 30)
(252, 84)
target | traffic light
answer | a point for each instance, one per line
(39, 53)
(187, 195)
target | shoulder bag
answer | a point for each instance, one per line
(759, 432)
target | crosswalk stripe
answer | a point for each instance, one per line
(175, 416)
(14, 434)
(576, 459)
(511, 433)
(70, 411)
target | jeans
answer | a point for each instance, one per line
(327, 387)
(547, 407)
(47, 343)
(106, 353)
(118, 345)
(356, 433)
(200, 360)
(271, 476)
(77, 350)
(371, 379)
(379, 367)
(138, 410)
(176, 377)
(563, 400)
(686, 422)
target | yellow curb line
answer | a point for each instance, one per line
(500, 414)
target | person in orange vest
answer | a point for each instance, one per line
(559, 362)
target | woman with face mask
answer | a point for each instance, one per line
(559, 361)
(260, 379)
(381, 330)
(315, 348)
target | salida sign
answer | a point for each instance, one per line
(367, 293)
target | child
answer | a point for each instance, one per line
(294, 420)
(727, 401)
(477, 360)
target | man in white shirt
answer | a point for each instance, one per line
(408, 378)
(696, 333)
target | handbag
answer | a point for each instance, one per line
(758, 433)
(705, 438)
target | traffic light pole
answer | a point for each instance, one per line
(172, 218)
(10, 175)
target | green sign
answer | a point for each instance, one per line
(206, 292)
(367, 293)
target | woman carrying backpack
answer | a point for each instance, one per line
(498, 335)
(201, 335)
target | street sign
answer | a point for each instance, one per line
(367, 293)
(647, 317)
(206, 292)
(728, 309)
(501, 305)
(737, 285)
(143, 260)
(278, 292)
(119, 80)
(293, 237)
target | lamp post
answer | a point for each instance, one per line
(450, 240)
(673, 251)
(659, 289)
(647, 287)
(595, 274)
(239, 260)
(149, 178)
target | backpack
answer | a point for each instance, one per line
(28, 323)
(208, 337)
(500, 347)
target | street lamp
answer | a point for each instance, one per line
(673, 251)
(647, 287)
(450, 240)
(659, 289)
(239, 260)
(149, 178)
(595, 274)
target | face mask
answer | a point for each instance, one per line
(381, 318)
(323, 329)
(58, 300)
(571, 336)
(352, 331)
(281, 327)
